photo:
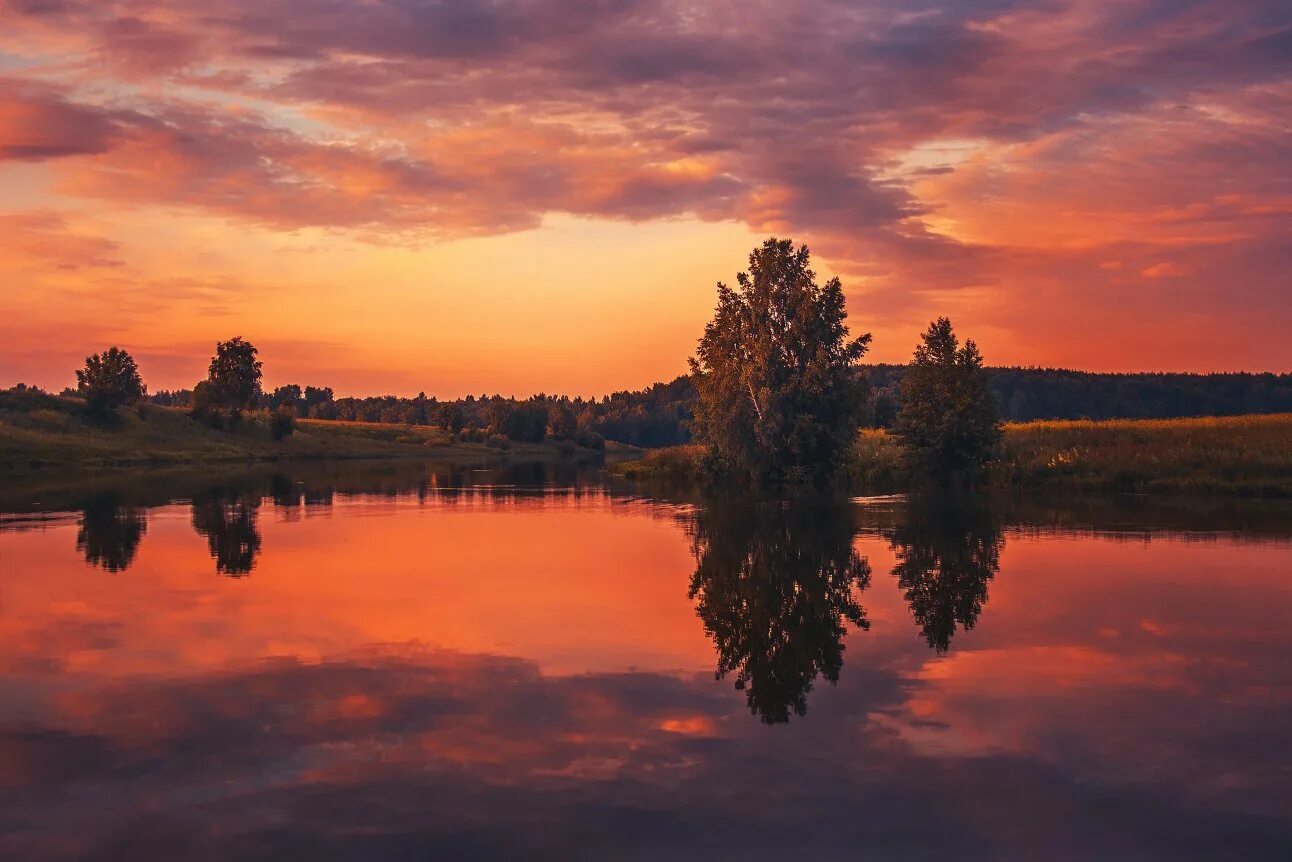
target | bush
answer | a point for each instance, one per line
(282, 422)
(591, 440)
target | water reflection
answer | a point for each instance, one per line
(227, 518)
(537, 684)
(948, 549)
(774, 585)
(109, 533)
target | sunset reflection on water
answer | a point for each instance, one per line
(550, 670)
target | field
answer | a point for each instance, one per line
(1233, 454)
(40, 431)
(1244, 455)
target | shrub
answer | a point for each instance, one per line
(282, 422)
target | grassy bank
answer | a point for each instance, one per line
(1246, 455)
(41, 432)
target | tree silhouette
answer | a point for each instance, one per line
(947, 551)
(774, 585)
(949, 421)
(228, 521)
(779, 396)
(234, 375)
(109, 533)
(109, 380)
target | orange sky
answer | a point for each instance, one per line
(529, 196)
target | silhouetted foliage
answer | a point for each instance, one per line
(774, 584)
(108, 381)
(287, 396)
(1027, 394)
(561, 421)
(525, 421)
(949, 422)
(109, 533)
(233, 380)
(451, 418)
(779, 396)
(227, 519)
(947, 551)
(172, 397)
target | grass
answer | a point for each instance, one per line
(1233, 454)
(671, 463)
(1240, 455)
(39, 431)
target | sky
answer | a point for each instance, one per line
(539, 196)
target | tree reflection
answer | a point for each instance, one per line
(227, 519)
(109, 533)
(947, 550)
(773, 584)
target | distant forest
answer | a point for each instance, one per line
(659, 414)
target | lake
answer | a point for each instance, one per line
(396, 661)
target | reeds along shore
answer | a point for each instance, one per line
(1244, 455)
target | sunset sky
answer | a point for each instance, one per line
(460, 196)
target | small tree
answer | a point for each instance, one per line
(234, 376)
(109, 381)
(949, 421)
(779, 394)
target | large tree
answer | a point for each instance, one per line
(780, 397)
(109, 380)
(233, 381)
(949, 422)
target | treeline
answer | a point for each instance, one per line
(656, 416)
(660, 414)
(1027, 394)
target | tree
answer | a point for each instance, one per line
(526, 422)
(451, 419)
(561, 421)
(779, 396)
(949, 422)
(109, 380)
(233, 380)
(288, 396)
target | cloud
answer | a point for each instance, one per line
(45, 239)
(434, 751)
(37, 123)
(1085, 127)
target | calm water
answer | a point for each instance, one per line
(390, 663)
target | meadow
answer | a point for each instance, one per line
(40, 431)
(1245, 455)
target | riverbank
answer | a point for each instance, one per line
(45, 432)
(1237, 455)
